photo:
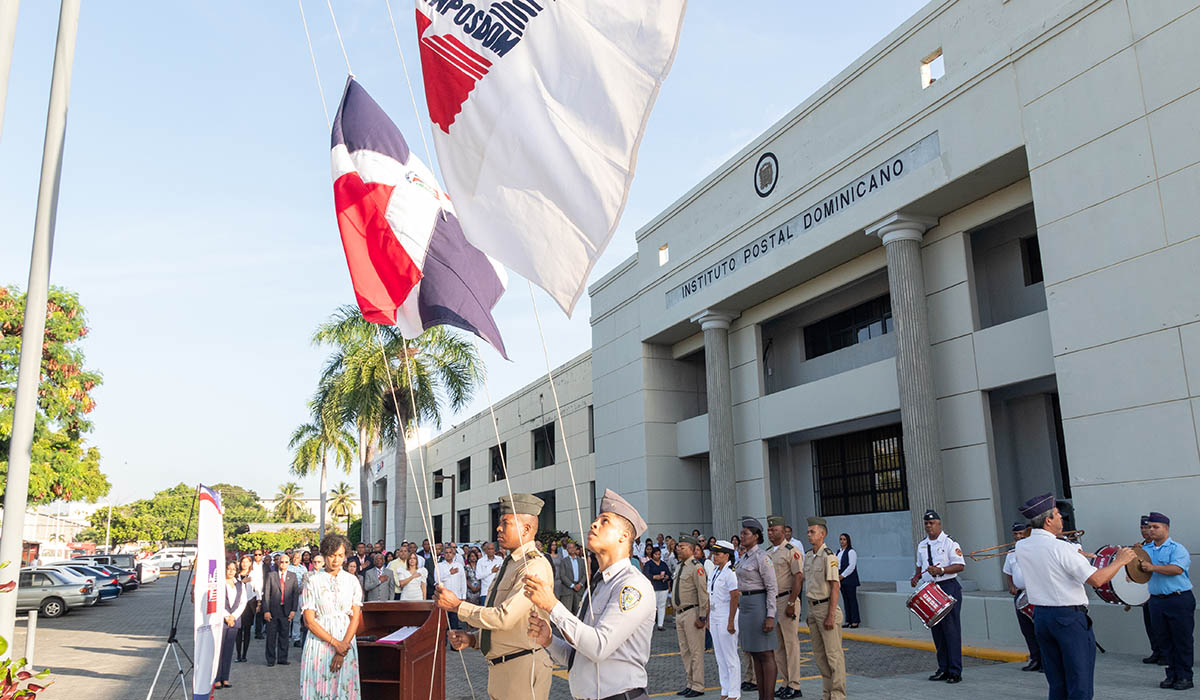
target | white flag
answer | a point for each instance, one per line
(209, 592)
(539, 107)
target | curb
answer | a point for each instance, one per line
(922, 645)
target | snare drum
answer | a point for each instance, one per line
(1121, 590)
(1023, 606)
(930, 604)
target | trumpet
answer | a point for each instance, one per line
(1003, 549)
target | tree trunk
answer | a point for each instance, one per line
(365, 455)
(324, 488)
(400, 488)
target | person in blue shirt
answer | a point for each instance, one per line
(1172, 604)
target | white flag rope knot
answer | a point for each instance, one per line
(539, 107)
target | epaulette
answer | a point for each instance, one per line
(789, 546)
(827, 550)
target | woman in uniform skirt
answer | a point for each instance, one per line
(756, 607)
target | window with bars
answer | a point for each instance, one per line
(861, 472)
(850, 327)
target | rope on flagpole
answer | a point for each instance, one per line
(312, 54)
(339, 37)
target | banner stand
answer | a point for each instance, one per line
(173, 645)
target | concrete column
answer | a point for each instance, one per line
(722, 474)
(902, 234)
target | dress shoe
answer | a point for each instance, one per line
(693, 693)
(1032, 666)
(270, 663)
(1168, 683)
(939, 676)
(1183, 685)
(953, 678)
(1152, 659)
(747, 685)
(683, 692)
(284, 663)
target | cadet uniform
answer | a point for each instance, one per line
(690, 599)
(1172, 607)
(610, 639)
(820, 575)
(517, 666)
(721, 586)
(947, 634)
(787, 562)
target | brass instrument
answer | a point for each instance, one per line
(1003, 549)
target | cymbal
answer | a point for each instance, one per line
(1133, 570)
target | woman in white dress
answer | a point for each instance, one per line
(332, 607)
(723, 618)
(412, 581)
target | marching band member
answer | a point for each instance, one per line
(1156, 653)
(1172, 603)
(1055, 574)
(940, 559)
(723, 619)
(1016, 583)
(605, 648)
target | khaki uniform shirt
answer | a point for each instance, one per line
(755, 573)
(820, 571)
(788, 561)
(508, 614)
(691, 587)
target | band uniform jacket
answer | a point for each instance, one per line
(691, 587)
(291, 595)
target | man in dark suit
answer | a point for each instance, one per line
(571, 577)
(259, 572)
(281, 599)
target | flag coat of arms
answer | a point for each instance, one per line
(409, 261)
(539, 107)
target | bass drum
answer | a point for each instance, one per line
(1121, 590)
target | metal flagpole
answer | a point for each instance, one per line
(33, 333)
(8, 37)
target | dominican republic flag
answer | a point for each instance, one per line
(409, 262)
(539, 107)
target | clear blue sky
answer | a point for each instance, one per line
(196, 218)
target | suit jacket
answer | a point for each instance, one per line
(563, 576)
(376, 589)
(291, 594)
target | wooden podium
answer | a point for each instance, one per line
(402, 671)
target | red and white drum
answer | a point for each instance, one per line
(930, 604)
(1121, 590)
(1021, 602)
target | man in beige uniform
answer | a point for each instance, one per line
(788, 562)
(518, 667)
(822, 584)
(690, 598)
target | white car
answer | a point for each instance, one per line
(149, 572)
(168, 560)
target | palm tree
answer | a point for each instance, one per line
(287, 502)
(341, 502)
(314, 441)
(442, 370)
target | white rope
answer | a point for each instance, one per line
(313, 56)
(412, 96)
(339, 36)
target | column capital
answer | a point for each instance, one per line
(899, 226)
(715, 318)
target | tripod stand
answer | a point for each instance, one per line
(176, 648)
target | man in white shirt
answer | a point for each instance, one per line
(1016, 585)
(487, 568)
(453, 576)
(787, 533)
(940, 559)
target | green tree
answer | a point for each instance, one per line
(341, 502)
(274, 541)
(63, 467)
(370, 361)
(164, 517)
(287, 502)
(314, 441)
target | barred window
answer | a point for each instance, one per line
(861, 472)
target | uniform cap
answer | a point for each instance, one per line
(775, 520)
(688, 539)
(817, 521)
(613, 503)
(932, 514)
(521, 504)
(751, 522)
(1038, 505)
(1018, 526)
(1145, 520)
(724, 546)
(1158, 518)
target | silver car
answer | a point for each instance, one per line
(52, 592)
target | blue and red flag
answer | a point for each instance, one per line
(409, 261)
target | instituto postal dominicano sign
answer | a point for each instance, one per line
(908, 160)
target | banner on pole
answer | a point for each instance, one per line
(209, 592)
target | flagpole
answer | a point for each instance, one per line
(8, 37)
(33, 333)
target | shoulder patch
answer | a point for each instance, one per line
(700, 571)
(630, 597)
(796, 556)
(958, 551)
(789, 546)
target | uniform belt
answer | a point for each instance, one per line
(684, 609)
(817, 602)
(1076, 608)
(785, 593)
(1166, 595)
(627, 695)
(758, 592)
(509, 657)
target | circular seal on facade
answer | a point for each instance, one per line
(766, 174)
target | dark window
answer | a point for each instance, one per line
(498, 458)
(850, 327)
(591, 430)
(547, 520)
(464, 474)
(437, 484)
(543, 446)
(1031, 260)
(437, 532)
(861, 472)
(1065, 473)
(491, 535)
(464, 525)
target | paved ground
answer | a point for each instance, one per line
(112, 651)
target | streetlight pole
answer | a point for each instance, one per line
(20, 449)
(108, 528)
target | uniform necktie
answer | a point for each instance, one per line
(583, 608)
(677, 580)
(485, 637)
(929, 553)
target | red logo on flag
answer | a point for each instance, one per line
(450, 69)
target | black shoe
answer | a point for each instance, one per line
(693, 693)
(270, 663)
(747, 685)
(939, 676)
(1152, 659)
(1183, 685)
(284, 663)
(683, 692)
(953, 678)
(1032, 666)
(1168, 683)
(781, 692)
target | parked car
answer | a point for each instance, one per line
(53, 592)
(147, 572)
(169, 560)
(108, 584)
(125, 561)
(128, 579)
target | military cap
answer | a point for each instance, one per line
(1159, 518)
(613, 503)
(1145, 520)
(724, 546)
(521, 504)
(751, 522)
(932, 514)
(1038, 505)
(817, 521)
(775, 520)
(1018, 526)
(688, 539)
